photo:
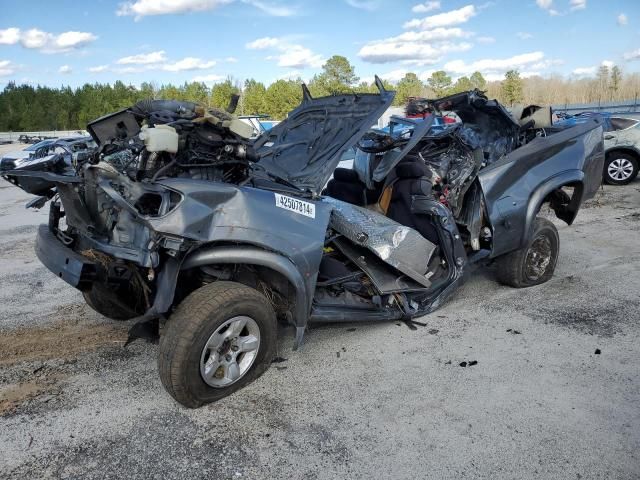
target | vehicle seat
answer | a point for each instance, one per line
(347, 186)
(409, 179)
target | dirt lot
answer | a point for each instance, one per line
(359, 401)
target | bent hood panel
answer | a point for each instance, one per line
(474, 107)
(306, 147)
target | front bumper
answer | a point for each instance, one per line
(75, 269)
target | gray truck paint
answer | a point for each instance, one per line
(515, 186)
(216, 222)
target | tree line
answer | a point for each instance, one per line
(31, 108)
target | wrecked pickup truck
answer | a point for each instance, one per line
(180, 217)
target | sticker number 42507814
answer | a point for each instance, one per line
(293, 204)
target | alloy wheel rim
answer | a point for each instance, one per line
(620, 169)
(230, 352)
(538, 258)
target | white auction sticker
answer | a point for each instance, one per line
(298, 206)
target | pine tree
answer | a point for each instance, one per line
(440, 83)
(512, 87)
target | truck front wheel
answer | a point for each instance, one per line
(535, 263)
(219, 339)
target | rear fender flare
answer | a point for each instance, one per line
(570, 177)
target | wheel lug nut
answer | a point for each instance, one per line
(228, 358)
(235, 348)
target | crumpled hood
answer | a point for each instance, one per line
(473, 107)
(305, 148)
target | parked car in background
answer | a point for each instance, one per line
(621, 144)
(67, 147)
(57, 156)
(259, 123)
(622, 148)
(26, 152)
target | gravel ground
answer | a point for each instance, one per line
(358, 401)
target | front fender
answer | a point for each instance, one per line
(248, 255)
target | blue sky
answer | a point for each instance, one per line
(173, 41)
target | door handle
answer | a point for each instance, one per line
(609, 137)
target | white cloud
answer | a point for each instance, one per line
(188, 63)
(425, 75)
(143, 8)
(99, 69)
(584, 71)
(263, 43)
(297, 56)
(275, 10)
(68, 40)
(435, 35)
(622, 20)
(497, 77)
(291, 75)
(143, 58)
(574, 5)
(156, 61)
(578, 4)
(548, 6)
(44, 41)
(231, 60)
(394, 76)
(210, 78)
(486, 40)
(446, 19)
(590, 71)
(291, 55)
(34, 38)
(495, 66)
(65, 69)
(10, 36)
(6, 68)
(524, 35)
(364, 4)
(425, 47)
(426, 7)
(634, 55)
(546, 64)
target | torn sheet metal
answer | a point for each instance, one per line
(399, 246)
(385, 278)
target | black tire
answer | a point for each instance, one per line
(103, 301)
(535, 263)
(616, 162)
(192, 324)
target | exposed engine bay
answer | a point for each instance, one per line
(174, 139)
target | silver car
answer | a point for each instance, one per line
(622, 148)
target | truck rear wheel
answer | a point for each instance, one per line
(219, 339)
(535, 263)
